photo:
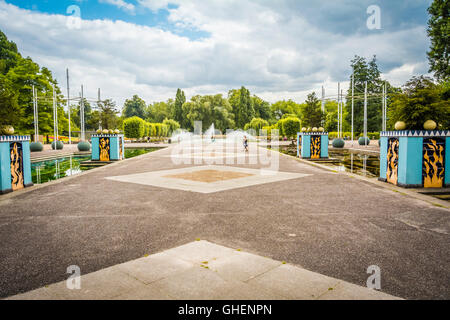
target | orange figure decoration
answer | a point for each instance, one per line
(315, 147)
(104, 149)
(16, 167)
(392, 161)
(433, 163)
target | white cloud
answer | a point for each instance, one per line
(264, 45)
(121, 4)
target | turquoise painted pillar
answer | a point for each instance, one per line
(324, 146)
(305, 142)
(410, 162)
(306, 146)
(447, 162)
(15, 163)
(107, 147)
(383, 158)
(423, 159)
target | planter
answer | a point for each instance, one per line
(84, 146)
(364, 141)
(59, 145)
(36, 147)
(338, 143)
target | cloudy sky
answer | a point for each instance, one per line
(279, 49)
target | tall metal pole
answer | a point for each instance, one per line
(342, 113)
(323, 104)
(365, 114)
(82, 114)
(339, 110)
(55, 121)
(385, 106)
(34, 113)
(68, 106)
(98, 104)
(353, 93)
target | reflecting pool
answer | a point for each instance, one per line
(54, 169)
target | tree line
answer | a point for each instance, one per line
(421, 98)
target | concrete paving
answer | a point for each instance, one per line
(322, 221)
(204, 271)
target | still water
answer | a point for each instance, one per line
(49, 170)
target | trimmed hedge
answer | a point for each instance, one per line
(134, 127)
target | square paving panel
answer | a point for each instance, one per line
(207, 179)
(209, 176)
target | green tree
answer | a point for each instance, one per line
(366, 71)
(421, 100)
(9, 55)
(209, 109)
(439, 33)
(256, 124)
(108, 114)
(158, 111)
(172, 125)
(312, 112)
(291, 126)
(180, 99)
(242, 106)
(134, 107)
(282, 108)
(10, 110)
(134, 127)
(262, 108)
(331, 116)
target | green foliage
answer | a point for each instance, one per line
(10, 111)
(312, 115)
(242, 106)
(421, 100)
(366, 71)
(180, 99)
(134, 127)
(134, 107)
(290, 126)
(172, 125)
(439, 33)
(281, 108)
(159, 111)
(107, 114)
(256, 124)
(209, 109)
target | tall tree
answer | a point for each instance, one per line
(108, 114)
(242, 106)
(421, 100)
(134, 107)
(312, 115)
(366, 71)
(180, 99)
(209, 109)
(439, 32)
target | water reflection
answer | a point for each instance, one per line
(362, 164)
(45, 171)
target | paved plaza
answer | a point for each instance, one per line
(203, 271)
(300, 232)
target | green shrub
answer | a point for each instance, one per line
(256, 124)
(291, 126)
(134, 127)
(172, 125)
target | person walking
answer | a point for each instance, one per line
(245, 144)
